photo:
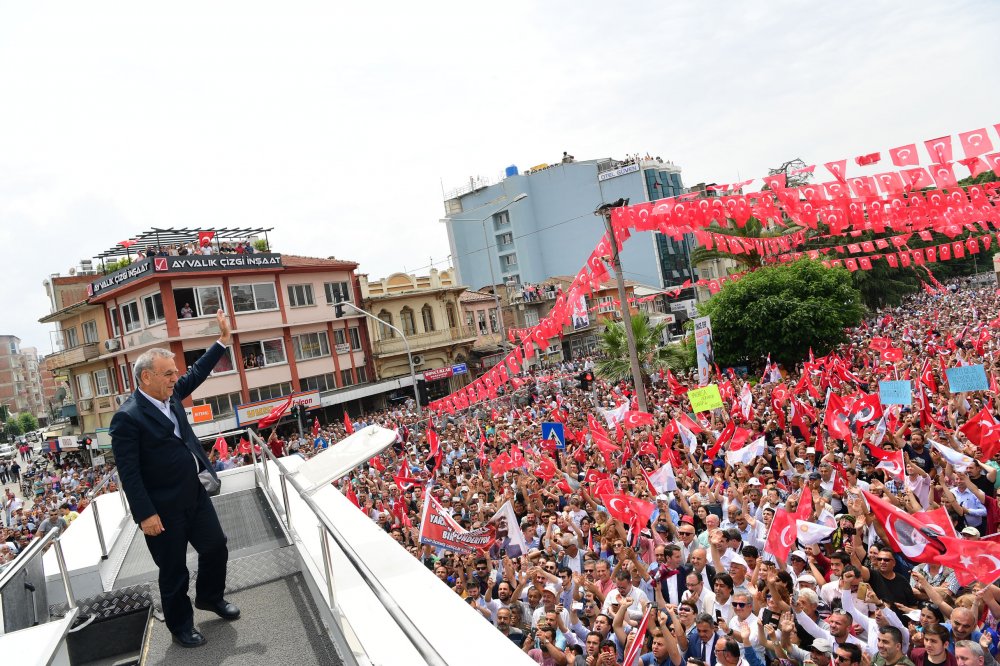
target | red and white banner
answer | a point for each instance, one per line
(439, 529)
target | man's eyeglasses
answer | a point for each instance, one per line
(842, 659)
(883, 559)
(739, 604)
(686, 534)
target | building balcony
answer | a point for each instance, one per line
(423, 341)
(70, 357)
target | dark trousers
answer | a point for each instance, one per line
(200, 527)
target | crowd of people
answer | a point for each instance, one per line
(703, 563)
(52, 489)
(718, 593)
(246, 246)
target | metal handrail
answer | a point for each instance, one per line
(97, 514)
(403, 621)
(34, 549)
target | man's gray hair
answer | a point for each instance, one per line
(145, 361)
(972, 646)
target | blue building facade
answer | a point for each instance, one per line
(553, 230)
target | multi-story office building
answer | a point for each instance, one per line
(553, 230)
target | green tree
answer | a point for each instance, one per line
(13, 427)
(27, 421)
(653, 354)
(261, 245)
(783, 311)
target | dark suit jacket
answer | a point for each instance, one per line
(677, 582)
(157, 471)
(695, 648)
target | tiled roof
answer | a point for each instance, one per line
(295, 261)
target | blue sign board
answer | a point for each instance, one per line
(896, 393)
(459, 369)
(552, 430)
(967, 378)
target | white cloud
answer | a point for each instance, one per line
(337, 124)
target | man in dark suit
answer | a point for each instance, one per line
(159, 459)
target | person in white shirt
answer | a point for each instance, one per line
(625, 589)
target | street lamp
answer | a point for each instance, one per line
(409, 357)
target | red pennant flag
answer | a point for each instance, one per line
(939, 149)
(244, 447)
(351, 495)
(640, 638)
(205, 238)
(972, 560)
(983, 431)
(782, 534)
(222, 447)
(975, 143)
(274, 415)
(315, 428)
(631, 511)
(637, 419)
(904, 155)
(348, 426)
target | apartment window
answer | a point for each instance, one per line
(130, 316)
(254, 297)
(222, 405)
(84, 386)
(355, 335)
(101, 380)
(224, 364)
(340, 341)
(494, 327)
(90, 331)
(337, 292)
(153, 305)
(470, 319)
(427, 314)
(346, 378)
(311, 345)
(384, 332)
(116, 328)
(505, 239)
(452, 319)
(194, 302)
(501, 219)
(319, 383)
(531, 317)
(300, 295)
(509, 260)
(263, 353)
(270, 392)
(406, 317)
(71, 338)
(605, 304)
(513, 280)
(362, 375)
(126, 378)
(482, 322)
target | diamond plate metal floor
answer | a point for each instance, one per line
(279, 624)
(246, 519)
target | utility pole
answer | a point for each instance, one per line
(604, 210)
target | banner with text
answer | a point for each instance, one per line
(439, 529)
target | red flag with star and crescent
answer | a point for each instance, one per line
(983, 431)
(903, 531)
(782, 534)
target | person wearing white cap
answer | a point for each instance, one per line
(550, 600)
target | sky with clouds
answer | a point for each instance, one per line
(338, 124)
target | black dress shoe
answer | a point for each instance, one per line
(223, 609)
(189, 638)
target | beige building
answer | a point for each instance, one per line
(20, 381)
(78, 344)
(427, 310)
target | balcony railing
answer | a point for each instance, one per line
(422, 341)
(70, 357)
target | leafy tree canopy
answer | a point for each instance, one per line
(783, 311)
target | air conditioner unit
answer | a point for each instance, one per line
(120, 399)
(112, 345)
(418, 359)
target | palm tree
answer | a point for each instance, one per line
(653, 354)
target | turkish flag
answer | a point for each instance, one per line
(222, 447)
(938, 521)
(669, 432)
(349, 427)
(629, 510)
(983, 431)
(127, 243)
(205, 238)
(890, 461)
(636, 419)
(944, 175)
(836, 418)
(892, 355)
(917, 178)
(351, 495)
(939, 149)
(971, 560)
(781, 536)
(975, 143)
(315, 427)
(903, 531)
(870, 158)
(274, 415)
(866, 410)
(905, 155)
(502, 463)
(927, 377)
(880, 344)
(244, 447)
